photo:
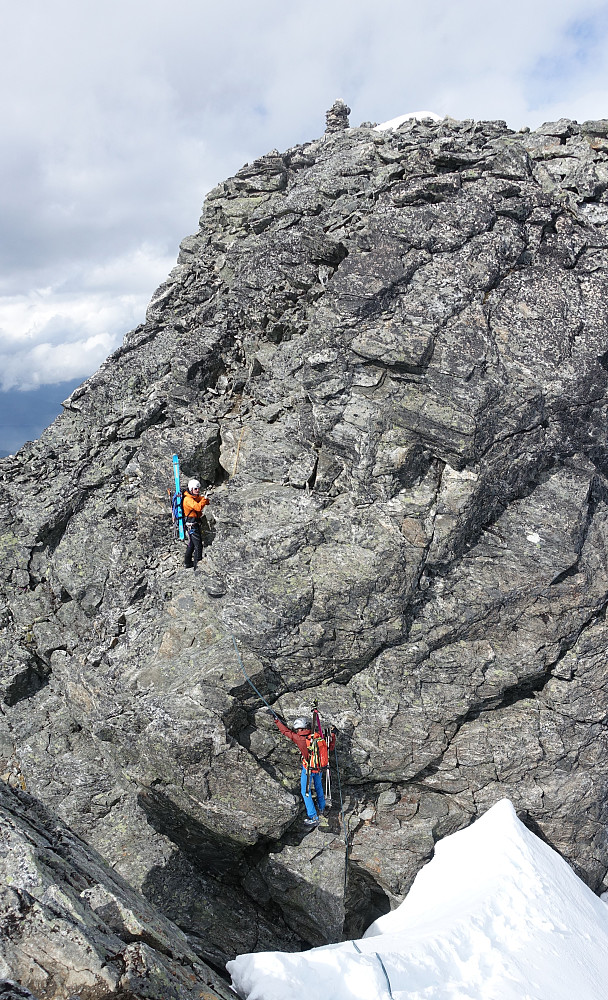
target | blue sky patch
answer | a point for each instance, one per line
(24, 415)
(557, 75)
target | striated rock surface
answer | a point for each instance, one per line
(387, 352)
(70, 926)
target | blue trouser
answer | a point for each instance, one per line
(317, 781)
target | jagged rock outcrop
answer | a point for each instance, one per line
(387, 352)
(70, 926)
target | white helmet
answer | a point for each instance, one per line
(193, 484)
(300, 724)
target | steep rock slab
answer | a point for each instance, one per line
(70, 925)
(387, 353)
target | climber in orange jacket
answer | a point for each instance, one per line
(193, 513)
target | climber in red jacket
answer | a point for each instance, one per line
(315, 758)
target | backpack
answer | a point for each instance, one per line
(318, 754)
(177, 506)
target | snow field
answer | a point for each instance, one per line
(496, 915)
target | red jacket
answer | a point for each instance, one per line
(300, 738)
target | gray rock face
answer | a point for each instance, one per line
(386, 352)
(9, 990)
(70, 926)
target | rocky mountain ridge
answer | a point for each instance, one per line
(386, 353)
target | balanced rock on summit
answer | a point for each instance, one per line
(386, 351)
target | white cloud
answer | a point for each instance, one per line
(56, 334)
(122, 115)
(48, 340)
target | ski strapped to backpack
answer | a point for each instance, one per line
(323, 738)
(177, 500)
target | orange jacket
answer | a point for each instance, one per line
(193, 506)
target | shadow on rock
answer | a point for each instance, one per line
(365, 902)
(211, 852)
(221, 923)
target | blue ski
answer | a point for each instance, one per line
(178, 494)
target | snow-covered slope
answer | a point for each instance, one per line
(496, 915)
(418, 115)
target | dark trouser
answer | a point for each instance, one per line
(194, 550)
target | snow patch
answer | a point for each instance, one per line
(418, 115)
(496, 915)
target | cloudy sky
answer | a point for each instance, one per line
(118, 116)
